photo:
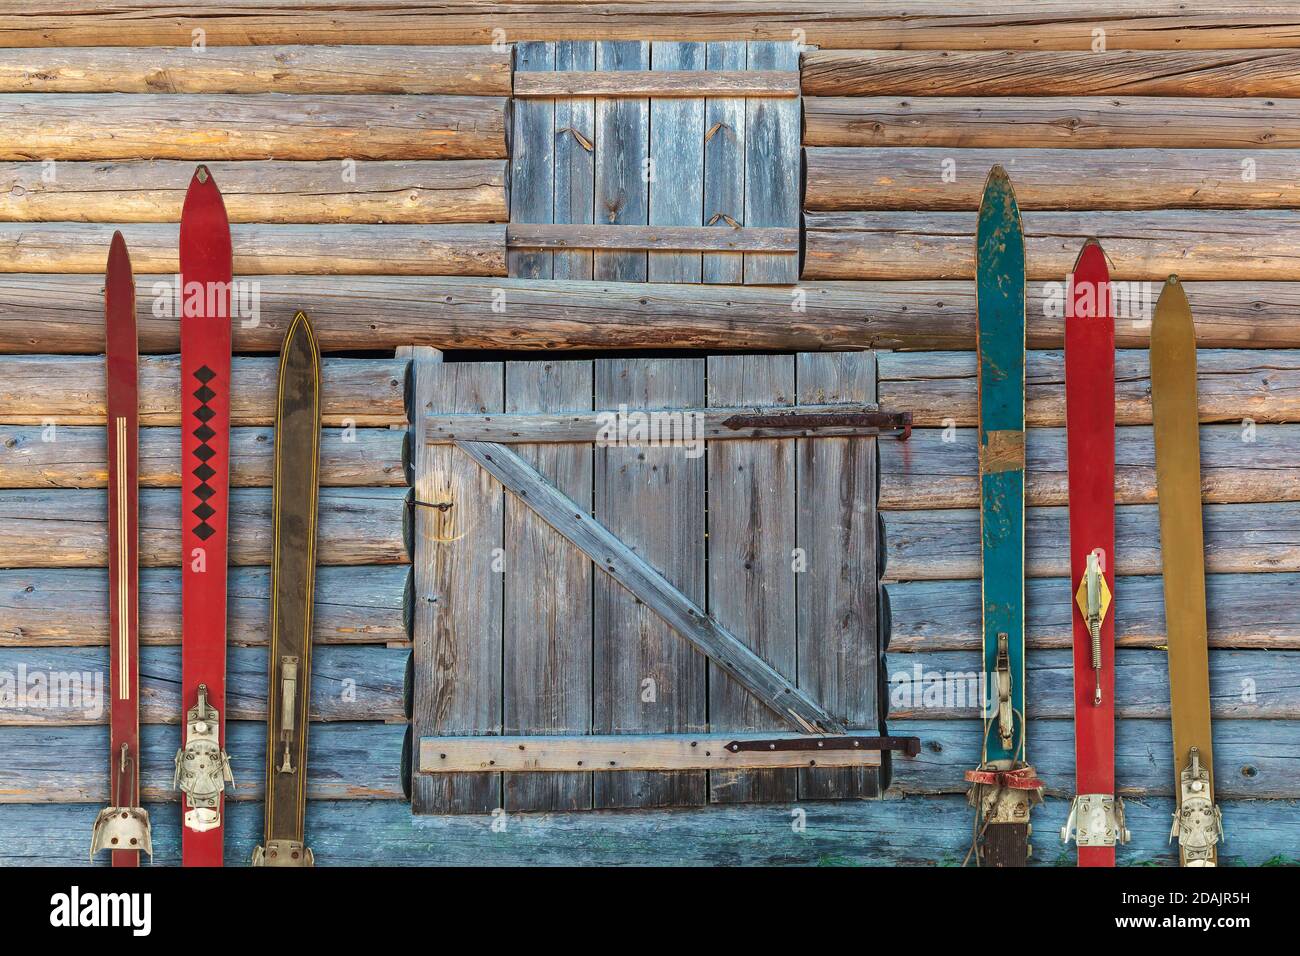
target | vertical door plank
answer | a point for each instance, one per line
(677, 153)
(622, 147)
(547, 634)
(751, 579)
(648, 678)
(837, 594)
(458, 594)
(772, 142)
(724, 164)
(575, 144)
(532, 163)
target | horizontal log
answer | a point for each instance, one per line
(945, 545)
(720, 238)
(658, 83)
(65, 314)
(51, 764)
(78, 457)
(1051, 73)
(1103, 122)
(1146, 245)
(1251, 685)
(40, 389)
(464, 70)
(461, 190)
(609, 752)
(1260, 611)
(69, 607)
(68, 528)
(93, 126)
(594, 426)
(1233, 385)
(922, 24)
(477, 249)
(939, 468)
(65, 686)
(1254, 759)
(926, 178)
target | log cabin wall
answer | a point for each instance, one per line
(368, 184)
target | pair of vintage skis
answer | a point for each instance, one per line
(1004, 787)
(202, 768)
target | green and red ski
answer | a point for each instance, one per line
(202, 767)
(123, 826)
(1197, 820)
(1096, 818)
(1004, 787)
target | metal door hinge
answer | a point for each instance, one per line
(1198, 823)
(909, 745)
(1096, 819)
(202, 767)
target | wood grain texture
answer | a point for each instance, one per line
(677, 176)
(532, 163)
(1076, 123)
(663, 243)
(622, 148)
(684, 81)
(772, 165)
(724, 161)
(575, 137)
(94, 126)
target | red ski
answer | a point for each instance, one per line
(122, 826)
(1097, 814)
(202, 767)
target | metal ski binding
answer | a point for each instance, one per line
(1002, 674)
(122, 826)
(1198, 823)
(1096, 819)
(202, 768)
(1093, 599)
(283, 853)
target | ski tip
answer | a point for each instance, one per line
(999, 198)
(301, 324)
(201, 174)
(1092, 257)
(118, 257)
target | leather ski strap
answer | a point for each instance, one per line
(1197, 821)
(293, 571)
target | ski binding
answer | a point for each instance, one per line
(202, 767)
(1198, 823)
(283, 853)
(121, 827)
(1096, 819)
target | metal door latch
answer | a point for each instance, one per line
(122, 826)
(288, 707)
(1093, 599)
(1198, 823)
(1096, 819)
(283, 853)
(202, 767)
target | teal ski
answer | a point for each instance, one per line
(1004, 787)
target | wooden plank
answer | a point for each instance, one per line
(460, 190)
(836, 590)
(66, 686)
(928, 178)
(547, 632)
(664, 243)
(463, 70)
(1240, 538)
(1092, 72)
(64, 314)
(650, 587)
(677, 170)
(93, 126)
(68, 528)
(532, 162)
(1145, 245)
(724, 161)
(939, 468)
(533, 755)
(1263, 754)
(602, 424)
(575, 138)
(685, 82)
(458, 589)
(52, 764)
(1259, 611)
(752, 532)
(1077, 123)
(79, 457)
(622, 193)
(915, 830)
(772, 174)
(261, 249)
(1141, 685)
(58, 607)
(40, 390)
(1234, 385)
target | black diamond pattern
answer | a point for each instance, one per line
(204, 472)
(205, 394)
(205, 375)
(204, 433)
